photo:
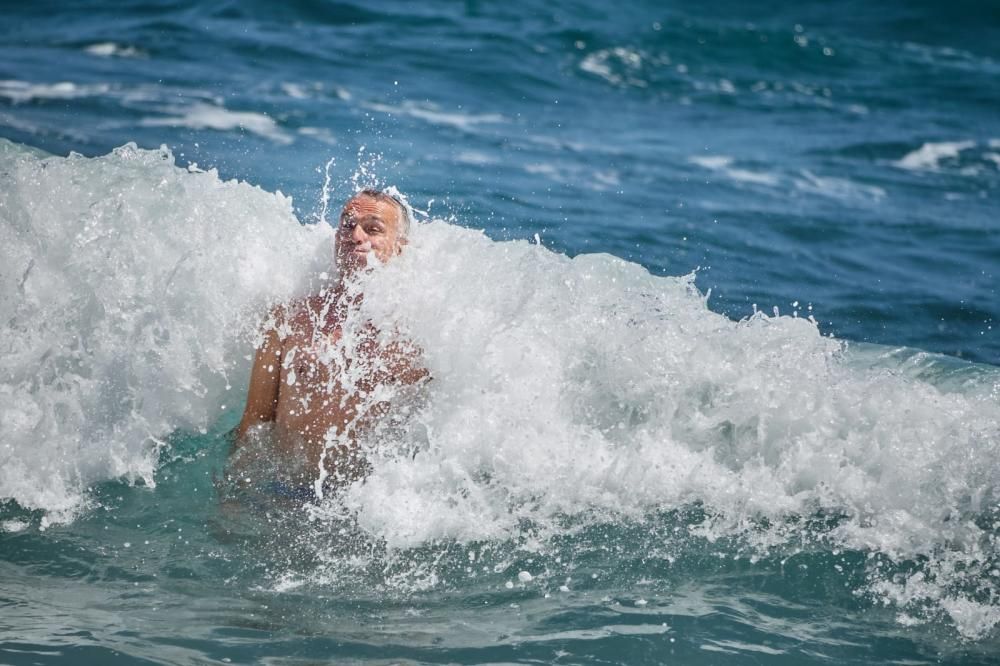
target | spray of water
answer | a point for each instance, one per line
(563, 391)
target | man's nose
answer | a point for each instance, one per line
(358, 235)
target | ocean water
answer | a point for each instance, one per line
(708, 295)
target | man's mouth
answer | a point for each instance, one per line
(355, 251)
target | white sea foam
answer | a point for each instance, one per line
(434, 115)
(929, 155)
(8, 120)
(576, 174)
(125, 285)
(13, 526)
(294, 90)
(313, 89)
(644, 397)
(474, 157)
(619, 65)
(207, 116)
(827, 186)
(26, 91)
(723, 164)
(321, 134)
(714, 162)
(837, 188)
(113, 50)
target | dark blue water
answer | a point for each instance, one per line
(840, 161)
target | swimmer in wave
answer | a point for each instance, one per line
(318, 384)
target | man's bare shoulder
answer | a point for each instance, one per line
(291, 317)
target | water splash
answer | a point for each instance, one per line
(589, 389)
(129, 287)
(567, 393)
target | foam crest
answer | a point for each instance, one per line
(127, 292)
(210, 116)
(20, 92)
(723, 164)
(432, 114)
(930, 155)
(113, 50)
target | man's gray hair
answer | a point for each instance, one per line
(392, 195)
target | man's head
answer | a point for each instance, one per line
(372, 221)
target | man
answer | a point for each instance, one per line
(321, 377)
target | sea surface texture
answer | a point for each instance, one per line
(708, 292)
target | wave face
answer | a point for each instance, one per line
(127, 285)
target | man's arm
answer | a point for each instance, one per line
(262, 397)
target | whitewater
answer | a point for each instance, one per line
(569, 394)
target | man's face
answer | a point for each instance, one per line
(367, 225)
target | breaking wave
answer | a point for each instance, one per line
(566, 391)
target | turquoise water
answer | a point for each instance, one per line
(708, 296)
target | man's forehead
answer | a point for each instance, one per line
(364, 206)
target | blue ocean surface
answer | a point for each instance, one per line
(708, 292)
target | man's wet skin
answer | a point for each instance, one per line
(317, 386)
